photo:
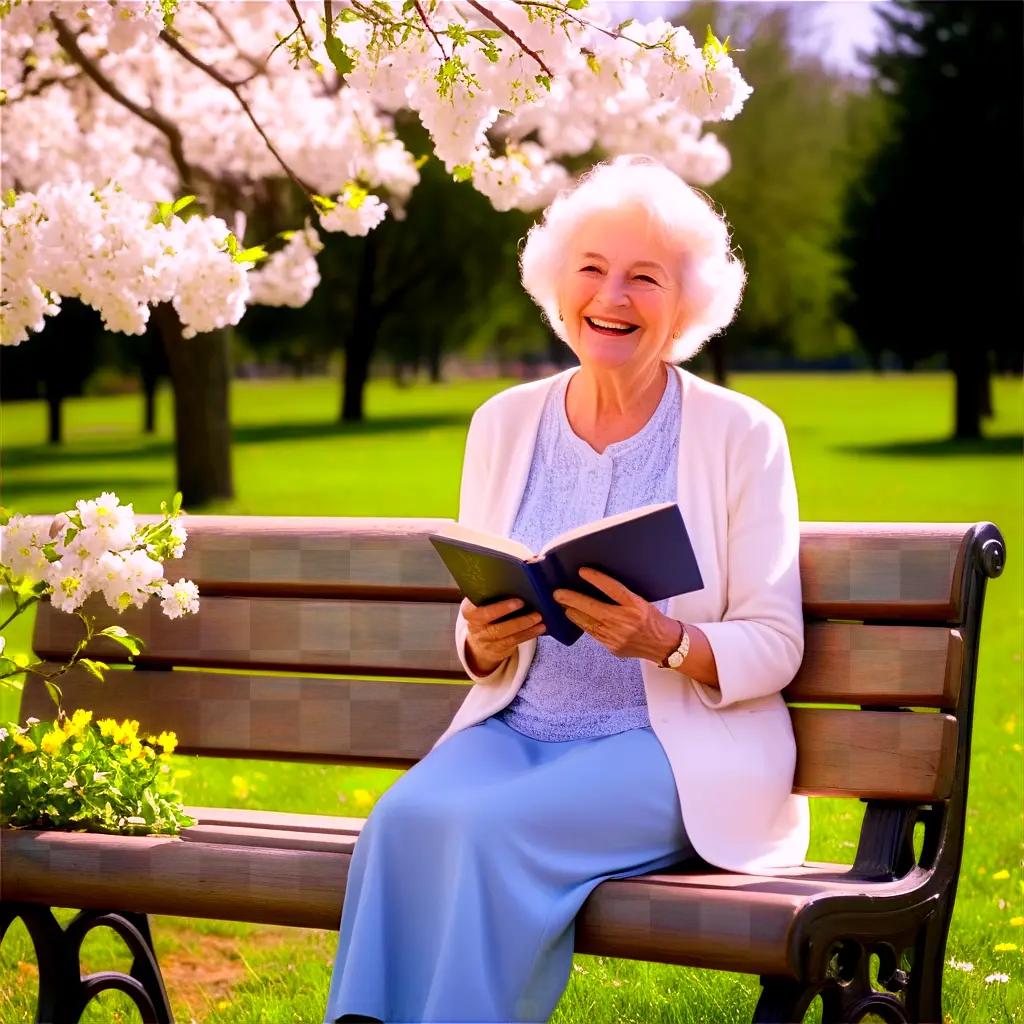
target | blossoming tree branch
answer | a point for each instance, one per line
(143, 135)
(151, 133)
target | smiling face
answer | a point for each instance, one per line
(619, 291)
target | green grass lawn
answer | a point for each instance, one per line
(864, 448)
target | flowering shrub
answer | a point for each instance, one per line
(69, 773)
(95, 546)
(88, 777)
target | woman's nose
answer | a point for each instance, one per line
(613, 290)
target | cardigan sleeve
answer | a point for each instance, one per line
(759, 643)
(475, 469)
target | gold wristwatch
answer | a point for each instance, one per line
(678, 656)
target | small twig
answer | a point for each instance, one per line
(582, 21)
(150, 115)
(232, 87)
(301, 27)
(511, 34)
(423, 18)
(281, 42)
(257, 67)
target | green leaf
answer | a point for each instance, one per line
(176, 506)
(253, 254)
(323, 203)
(339, 55)
(463, 172)
(544, 80)
(94, 668)
(286, 235)
(56, 695)
(421, 160)
(10, 197)
(162, 214)
(576, 5)
(71, 534)
(180, 204)
(624, 24)
(593, 63)
(123, 637)
(50, 552)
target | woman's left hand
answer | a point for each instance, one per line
(630, 628)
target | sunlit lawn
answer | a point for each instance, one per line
(864, 448)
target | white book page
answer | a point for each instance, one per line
(487, 540)
(601, 524)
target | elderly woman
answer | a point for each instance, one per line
(659, 735)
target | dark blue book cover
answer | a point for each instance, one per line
(647, 550)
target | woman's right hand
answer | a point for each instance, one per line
(488, 643)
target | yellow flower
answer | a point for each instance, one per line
(74, 725)
(363, 798)
(1017, 922)
(123, 733)
(1005, 947)
(240, 787)
(1000, 875)
(167, 740)
(135, 749)
(24, 742)
(53, 741)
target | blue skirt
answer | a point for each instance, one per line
(465, 882)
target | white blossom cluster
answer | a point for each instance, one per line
(506, 93)
(98, 548)
(103, 248)
(290, 276)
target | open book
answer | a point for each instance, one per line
(646, 549)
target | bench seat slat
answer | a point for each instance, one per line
(697, 917)
(281, 821)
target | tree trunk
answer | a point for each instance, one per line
(149, 405)
(55, 423)
(362, 339)
(719, 362)
(200, 376)
(971, 374)
(434, 361)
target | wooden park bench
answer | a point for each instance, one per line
(893, 615)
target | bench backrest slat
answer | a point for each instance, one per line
(393, 724)
(885, 571)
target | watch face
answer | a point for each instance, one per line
(675, 659)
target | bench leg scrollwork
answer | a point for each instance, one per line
(64, 991)
(901, 994)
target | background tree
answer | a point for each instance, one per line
(932, 231)
(793, 158)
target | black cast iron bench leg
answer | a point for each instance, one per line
(63, 991)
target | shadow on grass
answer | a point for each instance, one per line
(26, 455)
(1003, 444)
(258, 433)
(19, 492)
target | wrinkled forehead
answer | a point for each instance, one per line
(627, 233)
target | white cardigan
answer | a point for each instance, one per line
(731, 749)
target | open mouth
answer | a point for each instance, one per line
(610, 327)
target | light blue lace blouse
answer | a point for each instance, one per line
(585, 690)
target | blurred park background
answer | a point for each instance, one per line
(875, 197)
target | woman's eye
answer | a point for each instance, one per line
(588, 267)
(645, 277)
